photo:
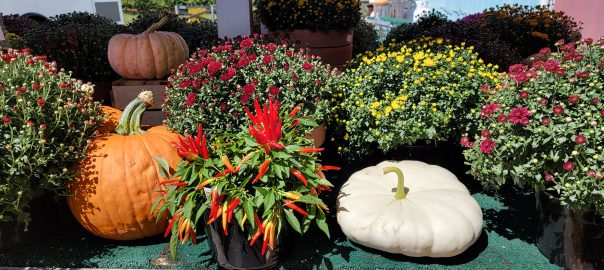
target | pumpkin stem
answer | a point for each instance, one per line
(130, 121)
(400, 188)
(154, 27)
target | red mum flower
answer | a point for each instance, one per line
(246, 43)
(502, 118)
(545, 121)
(558, 110)
(267, 59)
(489, 110)
(485, 133)
(266, 125)
(560, 72)
(583, 74)
(519, 115)
(521, 77)
(229, 74)
(515, 68)
(487, 146)
(185, 83)
(549, 177)
(6, 120)
(551, 65)
(595, 100)
(214, 67)
(568, 166)
(191, 99)
(249, 89)
(591, 173)
(589, 41)
(580, 139)
(190, 148)
(484, 87)
(41, 102)
(307, 66)
(543, 101)
(62, 85)
(465, 142)
(273, 90)
(573, 99)
(271, 47)
(545, 51)
(36, 86)
(524, 94)
(601, 64)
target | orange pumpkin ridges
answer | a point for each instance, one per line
(149, 55)
(112, 117)
(117, 182)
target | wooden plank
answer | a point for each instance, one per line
(124, 91)
(153, 118)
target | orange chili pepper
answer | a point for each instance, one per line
(311, 150)
(204, 183)
(295, 110)
(224, 219)
(169, 229)
(169, 181)
(227, 163)
(262, 170)
(243, 161)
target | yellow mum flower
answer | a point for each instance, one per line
(428, 62)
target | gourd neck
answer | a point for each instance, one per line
(400, 187)
(156, 26)
(130, 121)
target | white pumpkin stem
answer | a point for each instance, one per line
(154, 27)
(400, 188)
(130, 121)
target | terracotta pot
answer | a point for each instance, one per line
(323, 39)
(317, 135)
(574, 240)
(334, 47)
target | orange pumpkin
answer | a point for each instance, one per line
(112, 117)
(117, 183)
(150, 55)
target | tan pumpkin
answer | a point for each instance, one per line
(109, 123)
(117, 183)
(150, 55)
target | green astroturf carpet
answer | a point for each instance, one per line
(507, 242)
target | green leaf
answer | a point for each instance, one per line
(155, 204)
(324, 182)
(164, 168)
(269, 201)
(281, 154)
(188, 208)
(173, 245)
(308, 122)
(249, 141)
(310, 199)
(249, 211)
(239, 216)
(292, 148)
(160, 212)
(201, 209)
(292, 220)
(322, 223)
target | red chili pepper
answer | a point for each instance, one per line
(296, 208)
(232, 206)
(311, 150)
(321, 174)
(179, 184)
(295, 110)
(299, 175)
(321, 188)
(258, 223)
(262, 170)
(169, 229)
(168, 181)
(216, 209)
(227, 163)
(313, 191)
(295, 122)
(276, 145)
(329, 168)
(204, 148)
(255, 237)
(264, 244)
(214, 199)
(193, 236)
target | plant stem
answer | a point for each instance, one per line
(130, 120)
(154, 27)
(400, 188)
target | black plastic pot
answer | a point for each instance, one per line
(13, 237)
(574, 240)
(234, 251)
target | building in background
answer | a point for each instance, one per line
(111, 9)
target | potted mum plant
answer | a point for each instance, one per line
(543, 128)
(47, 119)
(324, 26)
(247, 190)
(215, 85)
(407, 94)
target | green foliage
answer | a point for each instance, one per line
(47, 118)
(201, 34)
(543, 127)
(365, 38)
(315, 15)
(408, 93)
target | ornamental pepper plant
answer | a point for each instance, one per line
(215, 85)
(47, 121)
(543, 127)
(264, 178)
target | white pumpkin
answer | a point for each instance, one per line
(428, 212)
